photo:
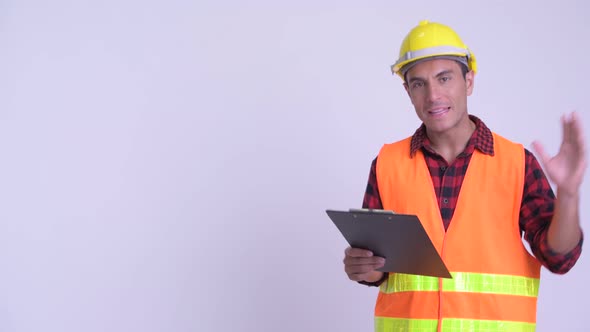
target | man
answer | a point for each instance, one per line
(476, 193)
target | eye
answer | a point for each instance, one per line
(445, 79)
(417, 84)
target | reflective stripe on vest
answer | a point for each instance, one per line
(464, 282)
(450, 325)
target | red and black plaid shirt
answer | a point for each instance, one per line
(538, 199)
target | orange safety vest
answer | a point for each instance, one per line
(495, 280)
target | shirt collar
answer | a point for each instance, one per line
(481, 139)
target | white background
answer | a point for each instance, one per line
(165, 165)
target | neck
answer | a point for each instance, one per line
(449, 144)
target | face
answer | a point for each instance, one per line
(439, 94)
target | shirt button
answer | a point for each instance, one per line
(446, 201)
(443, 168)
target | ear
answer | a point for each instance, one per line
(469, 82)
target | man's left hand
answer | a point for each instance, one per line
(566, 169)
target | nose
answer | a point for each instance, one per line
(433, 92)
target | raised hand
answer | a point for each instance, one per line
(566, 169)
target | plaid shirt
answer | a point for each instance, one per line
(538, 199)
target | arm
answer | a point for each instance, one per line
(565, 233)
(566, 170)
(536, 214)
(366, 275)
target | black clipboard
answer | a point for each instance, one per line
(399, 238)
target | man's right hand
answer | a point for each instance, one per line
(361, 265)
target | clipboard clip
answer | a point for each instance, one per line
(371, 211)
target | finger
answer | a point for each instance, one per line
(364, 267)
(360, 272)
(580, 144)
(359, 269)
(577, 132)
(540, 151)
(352, 261)
(566, 128)
(359, 276)
(357, 252)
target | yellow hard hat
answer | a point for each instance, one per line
(430, 39)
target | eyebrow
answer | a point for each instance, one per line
(442, 73)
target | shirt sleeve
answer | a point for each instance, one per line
(536, 212)
(372, 200)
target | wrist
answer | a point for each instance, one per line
(376, 283)
(564, 193)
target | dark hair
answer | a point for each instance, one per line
(464, 71)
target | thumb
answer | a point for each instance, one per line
(540, 151)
